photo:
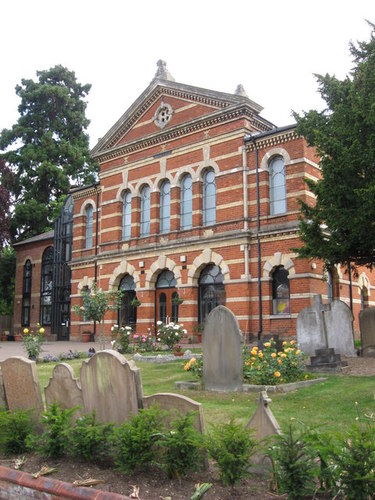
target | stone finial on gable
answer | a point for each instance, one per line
(162, 72)
(241, 91)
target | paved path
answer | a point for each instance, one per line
(8, 349)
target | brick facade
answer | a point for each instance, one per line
(208, 131)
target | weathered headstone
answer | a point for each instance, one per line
(21, 384)
(109, 387)
(263, 421)
(367, 327)
(222, 352)
(184, 405)
(64, 389)
(323, 326)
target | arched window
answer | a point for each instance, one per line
(89, 223)
(277, 186)
(209, 198)
(186, 203)
(280, 291)
(165, 207)
(145, 211)
(46, 287)
(127, 313)
(26, 294)
(126, 215)
(211, 291)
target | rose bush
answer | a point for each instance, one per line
(169, 334)
(32, 342)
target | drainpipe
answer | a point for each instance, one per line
(244, 185)
(260, 328)
(96, 246)
(350, 286)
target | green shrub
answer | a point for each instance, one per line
(15, 426)
(181, 447)
(294, 467)
(133, 441)
(90, 440)
(231, 446)
(53, 442)
(353, 463)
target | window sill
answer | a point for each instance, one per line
(281, 316)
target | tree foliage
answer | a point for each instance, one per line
(340, 227)
(7, 274)
(47, 149)
(5, 182)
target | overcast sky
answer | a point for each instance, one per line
(272, 47)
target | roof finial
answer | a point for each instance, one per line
(241, 91)
(162, 73)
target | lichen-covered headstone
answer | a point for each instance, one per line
(182, 404)
(64, 389)
(222, 352)
(109, 387)
(21, 384)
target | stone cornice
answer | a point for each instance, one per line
(272, 140)
(84, 193)
(186, 129)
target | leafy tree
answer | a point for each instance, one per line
(340, 227)
(7, 274)
(5, 181)
(48, 148)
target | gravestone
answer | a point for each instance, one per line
(183, 405)
(21, 385)
(323, 326)
(367, 328)
(64, 389)
(3, 402)
(222, 352)
(263, 421)
(109, 387)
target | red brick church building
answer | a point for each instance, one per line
(196, 205)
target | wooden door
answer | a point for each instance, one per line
(164, 305)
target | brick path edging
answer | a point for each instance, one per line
(19, 484)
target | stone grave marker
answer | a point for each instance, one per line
(184, 405)
(64, 389)
(222, 352)
(263, 421)
(326, 326)
(109, 387)
(3, 402)
(21, 385)
(367, 328)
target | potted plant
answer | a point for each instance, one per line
(177, 350)
(86, 336)
(135, 302)
(4, 336)
(18, 336)
(177, 300)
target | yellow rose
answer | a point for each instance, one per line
(292, 342)
(285, 342)
(193, 360)
(25, 331)
(255, 348)
(253, 353)
(280, 361)
(298, 351)
(273, 355)
(267, 344)
(41, 330)
(277, 374)
(261, 355)
(283, 355)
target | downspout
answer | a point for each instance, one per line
(96, 247)
(260, 329)
(245, 207)
(350, 285)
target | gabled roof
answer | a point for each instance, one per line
(163, 84)
(39, 237)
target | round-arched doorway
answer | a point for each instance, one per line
(166, 308)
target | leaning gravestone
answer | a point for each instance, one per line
(263, 421)
(323, 326)
(64, 389)
(222, 352)
(367, 327)
(109, 387)
(21, 384)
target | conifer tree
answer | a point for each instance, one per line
(340, 227)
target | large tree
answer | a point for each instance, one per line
(5, 183)
(340, 227)
(47, 149)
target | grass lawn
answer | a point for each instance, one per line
(329, 405)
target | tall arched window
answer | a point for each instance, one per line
(145, 211)
(186, 202)
(26, 294)
(126, 215)
(209, 198)
(127, 313)
(280, 291)
(46, 287)
(277, 186)
(165, 291)
(89, 224)
(165, 207)
(211, 291)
